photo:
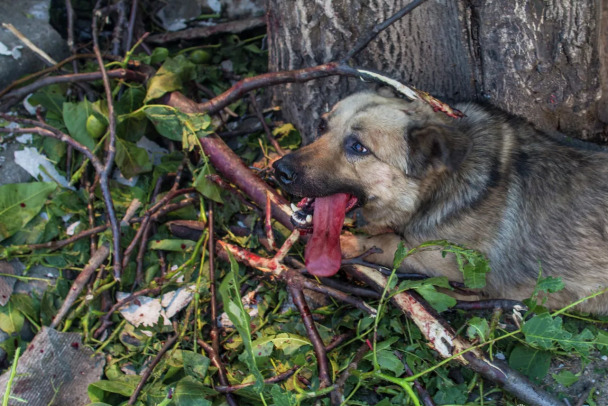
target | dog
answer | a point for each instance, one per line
(491, 182)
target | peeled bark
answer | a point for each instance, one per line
(546, 61)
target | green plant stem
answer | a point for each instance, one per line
(7, 392)
(116, 331)
(406, 385)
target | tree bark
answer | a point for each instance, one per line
(544, 60)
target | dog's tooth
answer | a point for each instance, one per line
(309, 218)
(294, 208)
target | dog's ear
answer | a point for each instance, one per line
(436, 147)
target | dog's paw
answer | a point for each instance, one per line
(352, 245)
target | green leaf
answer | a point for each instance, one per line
(172, 245)
(26, 304)
(75, 116)
(531, 362)
(11, 319)
(478, 328)
(131, 125)
(389, 361)
(124, 386)
(19, 203)
(566, 378)
(190, 392)
(451, 395)
(549, 285)
(50, 97)
(545, 331)
(195, 364)
(206, 187)
(281, 397)
(289, 343)
(166, 121)
(171, 75)
(400, 255)
(439, 301)
(233, 306)
(473, 265)
(131, 159)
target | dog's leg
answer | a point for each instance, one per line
(427, 261)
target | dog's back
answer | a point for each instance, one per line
(529, 202)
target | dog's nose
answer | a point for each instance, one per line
(284, 172)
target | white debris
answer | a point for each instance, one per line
(215, 5)
(24, 138)
(39, 166)
(155, 151)
(146, 311)
(131, 182)
(72, 228)
(28, 106)
(14, 52)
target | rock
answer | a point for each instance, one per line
(31, 18)
(10, 172)
(55, 369)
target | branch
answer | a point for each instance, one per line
(10, 99)
(444, 340)
(221, 370)
(151, 367)
(206, 31)
(378, 28)
(275, 379)
(105, 173)
(313, 334)
(96, 260)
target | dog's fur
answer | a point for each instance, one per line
(487, 181)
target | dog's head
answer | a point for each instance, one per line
(382, 150)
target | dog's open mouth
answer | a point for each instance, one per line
(325, 215)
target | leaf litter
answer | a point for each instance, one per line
(266, 338)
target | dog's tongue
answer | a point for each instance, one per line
(323, 255)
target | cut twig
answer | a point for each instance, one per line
(275, 379)
(426, 398)
(313, 334)
(111, 150)
(378, 28)
(269, 136)
(206, 31)
(444, 340)
(337, 395)
(215, 336)
(131, 26)
(43, 55)
(79, 283)
(170, 342)
(221, 369)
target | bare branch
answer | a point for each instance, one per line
(378, 28)
(16, 95)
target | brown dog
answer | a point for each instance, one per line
(488, 182)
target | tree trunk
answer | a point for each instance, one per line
(545, 60)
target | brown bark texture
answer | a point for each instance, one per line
(544, 60)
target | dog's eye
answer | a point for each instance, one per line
(322, 128)
(359, 148)
(354, 147)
